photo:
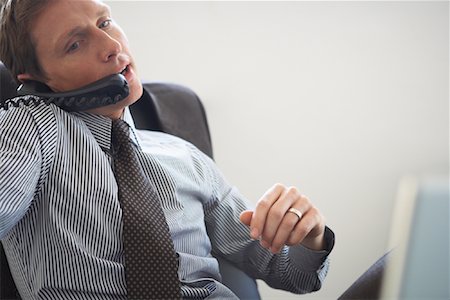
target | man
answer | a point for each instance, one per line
(60, 214)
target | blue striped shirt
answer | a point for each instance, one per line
(61, 222)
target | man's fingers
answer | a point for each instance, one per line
(283, 233)
(278, 213)
(288, 223)
(309, 222)
(262, 209)
(275, 225)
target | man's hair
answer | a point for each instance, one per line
(17, 48)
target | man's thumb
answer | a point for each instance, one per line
(246, 217)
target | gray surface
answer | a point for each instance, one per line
(426, 274)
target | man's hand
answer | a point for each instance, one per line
(276, 226)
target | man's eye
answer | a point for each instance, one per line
(105, 23)
(74, 47)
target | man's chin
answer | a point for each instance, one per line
(114, 111)
(136, 92)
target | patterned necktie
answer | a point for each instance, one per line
(150, 260)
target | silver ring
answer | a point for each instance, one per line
(296, 212)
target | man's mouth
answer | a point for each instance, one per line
(124, 70)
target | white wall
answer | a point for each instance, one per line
(338, 98)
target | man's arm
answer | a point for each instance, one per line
(20, 165)
(296, 269)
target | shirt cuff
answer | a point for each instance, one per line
(309, 260)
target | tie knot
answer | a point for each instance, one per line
(120, 132)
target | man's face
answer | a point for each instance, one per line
(77, 43)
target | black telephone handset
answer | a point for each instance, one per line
(106, 91)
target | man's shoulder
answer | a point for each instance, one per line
(26, 105)
(30, 113)
(30, 125)
(43, 113)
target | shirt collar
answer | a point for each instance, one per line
(101, 127)
(127, 117)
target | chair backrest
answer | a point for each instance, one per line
(173, 109)
(7, 287)
(165, 107)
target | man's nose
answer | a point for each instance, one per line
(109, 46)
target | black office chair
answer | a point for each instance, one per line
(169, 108)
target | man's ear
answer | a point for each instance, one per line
(25, 77)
